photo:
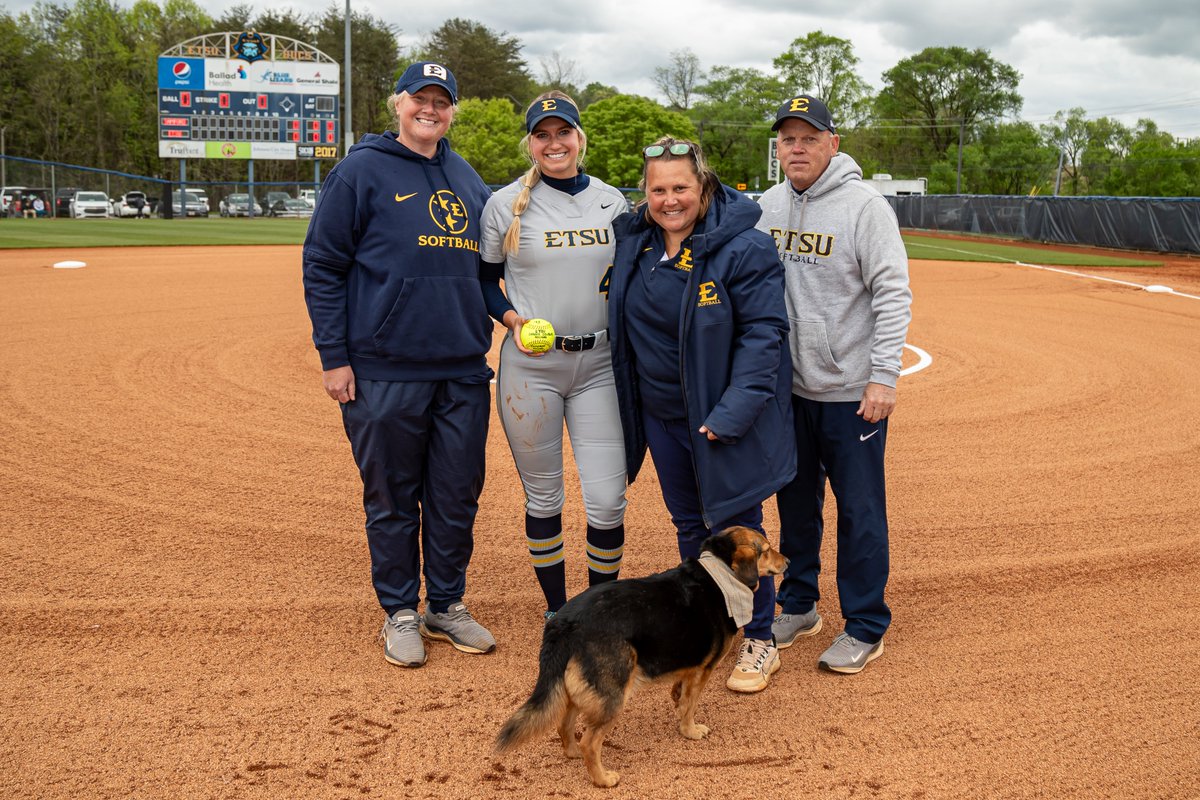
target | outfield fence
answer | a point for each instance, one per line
(48, 177)
(1159, 224)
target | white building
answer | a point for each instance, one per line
(888, 187)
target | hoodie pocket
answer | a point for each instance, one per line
(812, 358)
(435, 319)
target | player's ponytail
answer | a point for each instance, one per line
(512, 237)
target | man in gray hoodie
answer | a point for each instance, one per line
(848, 301)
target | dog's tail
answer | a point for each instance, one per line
(545, 707)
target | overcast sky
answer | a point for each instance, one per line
(1125, 59)
(1119, 58)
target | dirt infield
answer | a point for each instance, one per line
(188, 610)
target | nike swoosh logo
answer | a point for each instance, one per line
(863, 437)
(400, 199)
(606, 206)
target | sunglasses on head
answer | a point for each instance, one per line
(677, 149)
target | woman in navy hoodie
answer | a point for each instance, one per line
(699, 333)
(391, 279)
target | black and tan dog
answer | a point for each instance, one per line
(673, 626)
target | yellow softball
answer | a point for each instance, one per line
(537, 335)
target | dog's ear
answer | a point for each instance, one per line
(720, 545)
(743, 559)
(745, 563)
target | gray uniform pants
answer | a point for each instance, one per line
(534, 396)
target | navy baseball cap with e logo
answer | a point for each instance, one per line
(427, 73)
(551, 107)
(808, 108)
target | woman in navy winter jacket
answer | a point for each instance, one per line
(699, 333)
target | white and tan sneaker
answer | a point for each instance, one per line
(757, 662)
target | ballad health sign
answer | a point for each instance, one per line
(243, 95)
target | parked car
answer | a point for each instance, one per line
(20, 201)
(195, 207)
(62, 200)
(292, 207)
(90, 204)
(238, 205)
(202, 197)
(309, 196)
(131, 204)
(7, 194)
(273, 199)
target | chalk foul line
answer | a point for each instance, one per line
(1155, 288)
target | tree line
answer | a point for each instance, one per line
(78, 84)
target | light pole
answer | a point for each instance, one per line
(347, 127)
(1062, 149)
(958, 182)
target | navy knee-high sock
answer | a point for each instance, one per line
(544, 537)
(604, 552)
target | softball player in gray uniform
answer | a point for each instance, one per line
(549, 235)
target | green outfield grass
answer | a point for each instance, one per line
(26, 233)
(932, 247)
(23, 233)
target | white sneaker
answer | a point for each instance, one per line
(757, 662)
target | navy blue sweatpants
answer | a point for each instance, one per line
(832, 440)
(671, 450)
(420, 449)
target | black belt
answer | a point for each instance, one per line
(575, 344)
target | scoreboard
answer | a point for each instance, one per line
(247, 95)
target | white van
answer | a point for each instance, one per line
(309, 196)
(6, 197)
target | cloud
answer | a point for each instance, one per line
(1112, 57)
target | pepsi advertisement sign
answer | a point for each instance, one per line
(180, 73)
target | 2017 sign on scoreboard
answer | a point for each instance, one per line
(247, 95)
(317, 151)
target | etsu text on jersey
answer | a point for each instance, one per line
(581, 238)
(807, 243)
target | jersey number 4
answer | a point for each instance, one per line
(605, 281)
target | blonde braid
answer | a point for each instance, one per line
(512, 237)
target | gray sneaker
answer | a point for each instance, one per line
(402, 643)
(790, 627)
(459, 628)
(848, 655)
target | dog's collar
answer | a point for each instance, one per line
(739, 598)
